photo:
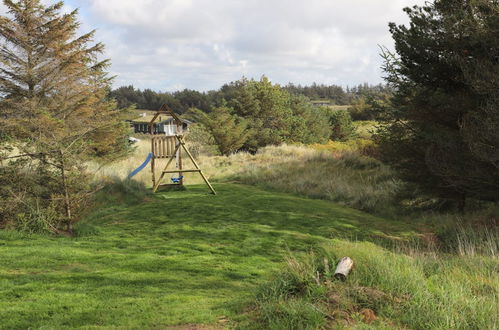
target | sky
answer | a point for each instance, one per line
(169, 45)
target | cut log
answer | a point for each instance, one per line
(344, 267)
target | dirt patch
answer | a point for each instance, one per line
(368, 315)
(349, 305)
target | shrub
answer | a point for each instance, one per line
(228, 131)
(361, 109)
(200, 142)
(25, 199)
(35, 219)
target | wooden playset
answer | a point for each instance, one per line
(168, 144)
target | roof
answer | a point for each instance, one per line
(147, 119)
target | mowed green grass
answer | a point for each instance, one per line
(184, 257)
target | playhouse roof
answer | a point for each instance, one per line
(162, 115)
(147, 119)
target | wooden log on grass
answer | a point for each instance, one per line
(344, 267)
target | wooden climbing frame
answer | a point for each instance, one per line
(171, 148)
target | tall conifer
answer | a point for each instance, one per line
(442, 131)
(54, 107)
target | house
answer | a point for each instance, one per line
(164, 125)
(321, 103)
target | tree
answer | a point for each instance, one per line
(267, 109)
(229, 131)
(342, 127)
(441, 130)
(309, 124)
(54, 110)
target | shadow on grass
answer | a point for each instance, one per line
(182, 257)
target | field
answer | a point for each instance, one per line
(259, 255)
(180, 258)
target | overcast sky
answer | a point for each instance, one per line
(201, 44)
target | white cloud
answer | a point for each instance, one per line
(201, 44)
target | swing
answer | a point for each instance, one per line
(170, 147)
(177, 180)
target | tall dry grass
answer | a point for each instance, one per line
(120, 169)
(385, 290)
(345, 177)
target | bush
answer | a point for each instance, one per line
(200, 142)
(361, 109)
(25, 199)
(35, 219)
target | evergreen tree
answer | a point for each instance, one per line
(442, 130)
(229, 131)
(266, 107)
(54, 110)
(309, 124)
(342, 127)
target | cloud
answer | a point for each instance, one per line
(201, 44)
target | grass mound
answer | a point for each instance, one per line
(385, 290)
(188, 257)
(184, 257)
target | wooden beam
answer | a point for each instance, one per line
(180, 139)
(153, 160)
(182, 171)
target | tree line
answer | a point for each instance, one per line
(182, 100)
(248, 114)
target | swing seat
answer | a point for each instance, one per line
(177, 180)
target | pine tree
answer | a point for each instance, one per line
(54, 107)
(442, 130)
(342, 127)
(229, 131)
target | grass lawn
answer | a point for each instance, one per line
(183, 257)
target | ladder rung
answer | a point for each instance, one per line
(181, 171)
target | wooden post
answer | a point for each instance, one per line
(153, 175)
(344, 267)
(180, 173)
(178, 132)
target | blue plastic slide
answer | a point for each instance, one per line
(141, 167)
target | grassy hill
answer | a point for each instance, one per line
(246, 258)
(180, 258)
